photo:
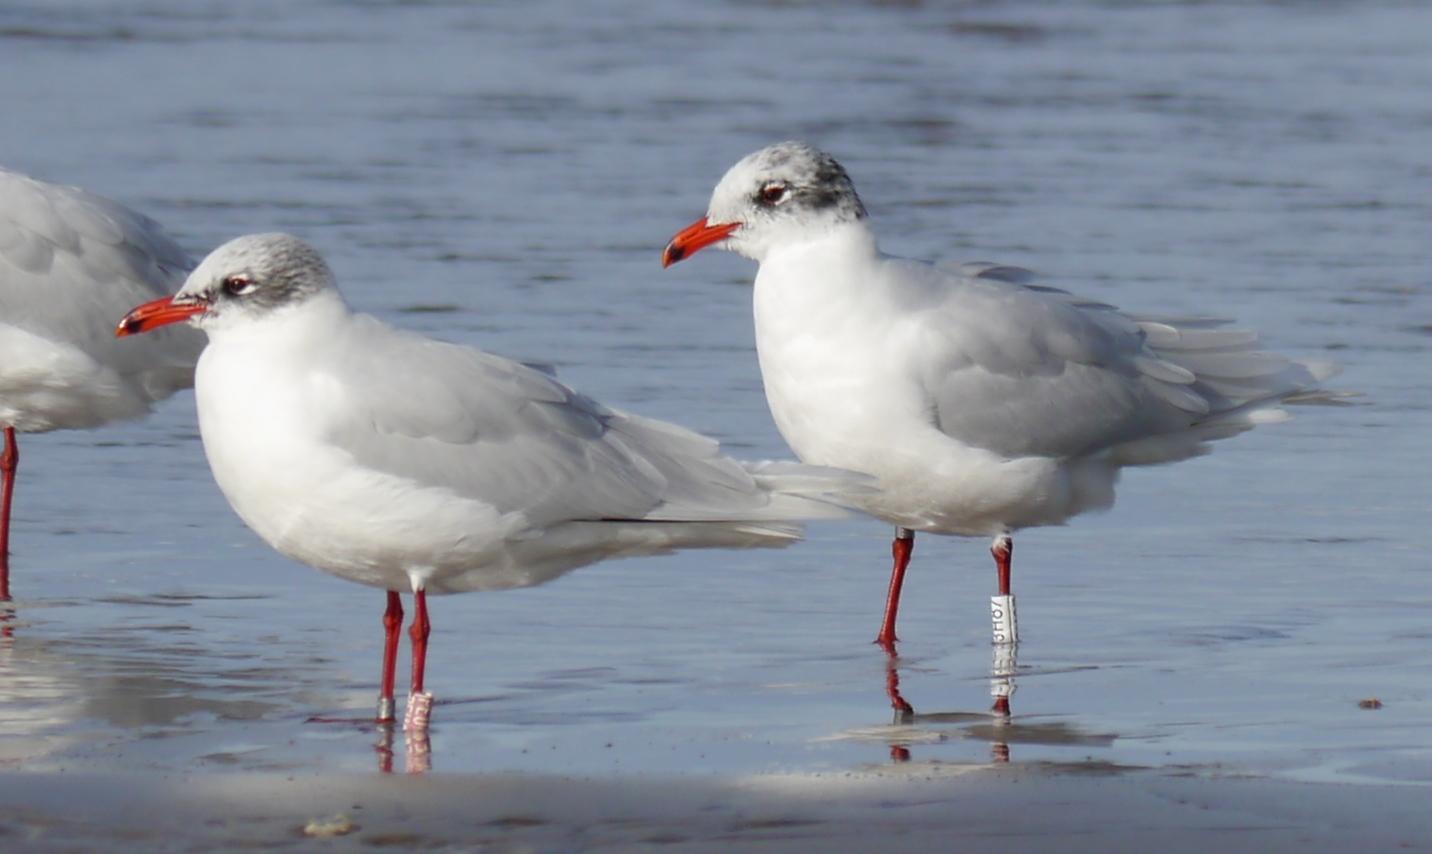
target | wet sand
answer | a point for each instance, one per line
(916, 807)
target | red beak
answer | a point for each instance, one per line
(157, 313)
(695, 237)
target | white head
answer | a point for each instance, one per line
(247, 278)
(784, 193)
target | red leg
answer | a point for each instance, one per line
(418, 633)
(1003, 551)
(420, 702)
(8, 460)
(900, 549)
(392, 622)
(1005, 629)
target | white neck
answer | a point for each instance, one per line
(798, 280)
(821, 313)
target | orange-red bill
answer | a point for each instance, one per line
(157, 313)
(695, 237)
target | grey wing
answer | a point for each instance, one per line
(515, 438)
(72, 263)
(47, 226)
(1026, 370)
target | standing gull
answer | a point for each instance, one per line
(70, 262)
(981, 402)
(401, 462)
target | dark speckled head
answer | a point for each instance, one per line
(254, 275)
(780, 193)
(813, 179)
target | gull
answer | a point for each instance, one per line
(70, 261)
(980, 401)
(402, 462)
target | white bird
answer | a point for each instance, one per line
(399, 461)
(981, 403)
(70, 262)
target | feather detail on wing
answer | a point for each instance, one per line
(515, 438)
(1027, 370)
(109, 242)
(71, 264)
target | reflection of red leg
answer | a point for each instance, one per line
(999, 750)
(384, 748)
(392, 622)
(8, 459)
(418, 633)
(900, 549)
(903, 710)
(892, 690)
(1003, 551)
(419, 751)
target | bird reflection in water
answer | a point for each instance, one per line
(417, 746)
(1001, 686)
(1002, 670)
(997, 726)
(417, 750)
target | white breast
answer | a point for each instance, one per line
(263, 405)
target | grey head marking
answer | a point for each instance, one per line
(258, 273)
(802, 176)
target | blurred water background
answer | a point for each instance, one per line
(505, 174)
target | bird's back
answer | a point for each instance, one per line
(71, 263)
(516, 438)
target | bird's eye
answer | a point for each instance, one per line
(237, 286)
(773, 193)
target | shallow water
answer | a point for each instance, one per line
(505, 175)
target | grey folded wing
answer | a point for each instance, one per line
(1025, 370)
(515, 438)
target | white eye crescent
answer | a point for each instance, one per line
(237, 286)
(773, 193)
